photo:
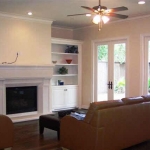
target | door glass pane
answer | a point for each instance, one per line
(119, 70)
(102, 72)
(148, 67)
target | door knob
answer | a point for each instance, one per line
(110, 85)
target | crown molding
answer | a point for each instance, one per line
(14, 16)
(132, 18)
(65, 28)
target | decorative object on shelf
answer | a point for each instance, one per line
(60, 82)
(54, 61)
(71, 49)
(68, 61)
(63, 70)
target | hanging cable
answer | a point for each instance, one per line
(11, 62)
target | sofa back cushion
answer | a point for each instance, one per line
(133, 100)
(101, 105)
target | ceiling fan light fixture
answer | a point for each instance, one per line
(105, 19)
(141, 2)
(102, 14)
(96, 11)
(97, 19)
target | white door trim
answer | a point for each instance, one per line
(144, 38)
(93, 72)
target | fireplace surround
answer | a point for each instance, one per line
(27, 75)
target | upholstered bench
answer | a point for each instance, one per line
(52, 121)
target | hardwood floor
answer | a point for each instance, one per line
(142, 146)
(27, 137)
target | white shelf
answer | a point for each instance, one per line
(64, 75)
(66, 64)
(58, 53)
(64, 85)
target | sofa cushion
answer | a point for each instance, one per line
(133, 100)
(146, 97)
(101, 105)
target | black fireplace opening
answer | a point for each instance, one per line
(21, 99)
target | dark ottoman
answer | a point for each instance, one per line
(52, 121)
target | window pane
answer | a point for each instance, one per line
(119, 70)
(102, 72)
(148, 67)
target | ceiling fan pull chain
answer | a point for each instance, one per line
(100, 23)
(99, 28)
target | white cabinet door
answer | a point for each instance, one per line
(58, 98)
(71, 97)
(64, 97)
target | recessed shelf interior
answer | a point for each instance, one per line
(59, 55)
(68, 80)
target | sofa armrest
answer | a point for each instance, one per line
(77, 134)
(6, 132)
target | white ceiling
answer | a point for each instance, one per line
(57, 10)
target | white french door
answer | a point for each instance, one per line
(110, 70)
(146, 60)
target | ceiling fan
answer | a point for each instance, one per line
(101, 13)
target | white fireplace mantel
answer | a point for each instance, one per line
(25, 71)
(27, 75)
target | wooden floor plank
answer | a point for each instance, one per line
(27, 137)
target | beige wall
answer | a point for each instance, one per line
(132, 29)
(31, 39)
(33, 42)
(62, 33)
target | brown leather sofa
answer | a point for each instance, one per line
(6, 132)
(108, 125)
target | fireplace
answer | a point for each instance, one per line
(23, 77)
(21, 99)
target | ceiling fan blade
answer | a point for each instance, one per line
(117, 15)
(118, 9)
(77, 14)
(88, 8)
